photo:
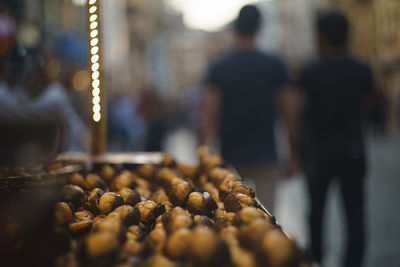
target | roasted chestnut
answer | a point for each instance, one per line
(93, 198)
(240, 188)
(147, 171)
(203, 244)
(83, 215)
(202, 220)
(149, 210)
(123, 210)
(123, 180)
(179, 193)
(195, 203)
(62, 213)
(130, 196)
(176, 246)
(155, 238)
(212, 190)
(247, 215)
(229, 235)
(187, 170)
(242, 257)
(160, 196)
(168, 161)
(278, 249)
(72, 193)
(93, 180)
(231, 203)
(107, 172)
(77, 179)
(132, 247)
(101, 243)
(80, 226)
(109, 201)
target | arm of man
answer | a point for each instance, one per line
(290, 105)
(210, 116)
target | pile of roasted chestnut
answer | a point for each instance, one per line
(169, 215)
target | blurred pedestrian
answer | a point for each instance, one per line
(239, 106)
(336, 89)
(45, 97)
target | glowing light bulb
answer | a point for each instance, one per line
(95, 91)
(95, 59)
(93, 18)
(96, 100)
(96, 108)
(95, 75)
(92, 9)
(94, 42)
(96, 117)
(96, 84)
(94, 50)
(95, 67)
(93, 25)
(94, 33)
(91, 2)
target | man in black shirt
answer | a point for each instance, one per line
(240, 105)
(335, 87)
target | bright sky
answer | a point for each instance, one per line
(208, 15)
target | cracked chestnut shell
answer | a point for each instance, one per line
(241, 188)
(179, 193)
(130, 196)
(80, 226)
(73, 193)
(109, 201)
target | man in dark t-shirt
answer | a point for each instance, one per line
(335, 88)
(240, 104)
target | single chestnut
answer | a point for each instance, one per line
(107, 172)
(231, 203)
(62, 213)
(123, 180)
(109, 201)
(176, 246)
(100, 244)
(147, 171)
(93, 180)
(72, 193)
(77, 179)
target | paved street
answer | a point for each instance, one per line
(383, 203)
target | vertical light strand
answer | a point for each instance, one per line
(94, 62)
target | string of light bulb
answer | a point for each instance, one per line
(93, 17)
